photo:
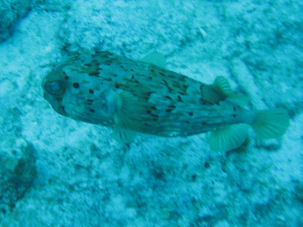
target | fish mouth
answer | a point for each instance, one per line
(55, 102)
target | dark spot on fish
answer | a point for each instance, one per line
(91, 91)
(89, 101)
(194, 177)
(148, 94)
(131, 70)
(150, 77)
(203, 123)
(108, 62)
(153, 108)
(155, 117)
(93, 73)
(152, 70)
(115, 75)
(234, 108)
(92, 110)
(66, 77)
(182, 78)
(3, 210)
(76, 85)
(234, 115)
(148, 112)
(122, 67)
(170, 108)
(167, 85)
(108, 79)
(191, 113)
(168, 97)
(179, 98)
(206, 165)
(117, 85)
(133, 77)
(162, 74)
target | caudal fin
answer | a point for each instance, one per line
(271, 123)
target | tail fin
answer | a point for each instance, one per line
(270, 123)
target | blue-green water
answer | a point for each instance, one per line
(59, 172)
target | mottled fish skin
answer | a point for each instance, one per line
(103, 88)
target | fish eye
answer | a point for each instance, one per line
(56, 87)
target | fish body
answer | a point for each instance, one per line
(111, 90)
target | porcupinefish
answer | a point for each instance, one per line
(137, 96)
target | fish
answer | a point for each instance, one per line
(139, 96)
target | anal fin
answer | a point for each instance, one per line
(228, 138)
(124, 136)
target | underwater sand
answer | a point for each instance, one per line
(59, 172)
